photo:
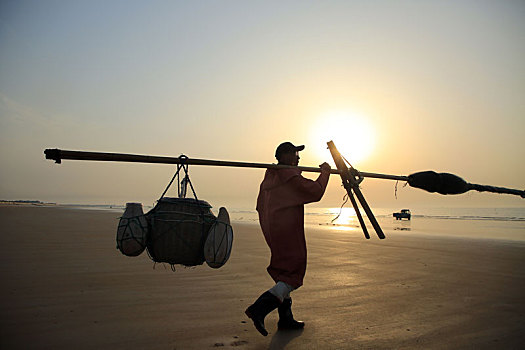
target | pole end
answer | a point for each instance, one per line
(53, 154)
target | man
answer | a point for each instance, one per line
(280, 205)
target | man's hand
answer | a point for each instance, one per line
(325, 167)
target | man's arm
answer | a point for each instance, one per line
(312, 191)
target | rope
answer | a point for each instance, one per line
(341, 209)
(181, 184)
(354, 172)
(224, 236)
(126, 233)
(494, 189)
(173, 178)
(395, 191)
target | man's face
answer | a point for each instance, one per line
(291, 158)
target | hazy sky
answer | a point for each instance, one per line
(412, 85)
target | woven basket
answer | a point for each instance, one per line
(178, 228)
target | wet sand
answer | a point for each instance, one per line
(65, 286)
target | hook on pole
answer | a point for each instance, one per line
(182, 185)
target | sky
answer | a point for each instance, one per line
(400, 86)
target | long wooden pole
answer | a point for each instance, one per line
(58, 155)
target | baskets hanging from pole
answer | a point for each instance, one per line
(184, 230)
(178, 230)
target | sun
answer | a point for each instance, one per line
(351, 133)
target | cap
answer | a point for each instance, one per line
(287, 147)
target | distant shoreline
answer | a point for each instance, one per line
(509, 226)
(26, 202)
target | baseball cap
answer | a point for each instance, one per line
(287, 147)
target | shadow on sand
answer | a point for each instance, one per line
(282, 338)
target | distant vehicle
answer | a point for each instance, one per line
(403, 214)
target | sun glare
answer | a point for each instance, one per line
(351, 133)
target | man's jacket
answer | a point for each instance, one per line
(280, 205)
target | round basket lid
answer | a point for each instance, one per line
(218, 245)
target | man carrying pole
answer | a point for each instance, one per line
(280, 204)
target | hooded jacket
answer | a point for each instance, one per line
(280, 204)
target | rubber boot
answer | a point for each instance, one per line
(286, 320)
(265, 304)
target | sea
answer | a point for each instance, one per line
(481, 223)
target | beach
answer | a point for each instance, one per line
(65, 285)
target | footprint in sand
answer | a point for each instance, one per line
(239, 343)
(234, 343)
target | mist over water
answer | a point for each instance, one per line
(347, 216)
(487, 223)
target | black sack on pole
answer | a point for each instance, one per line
(443, 183)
